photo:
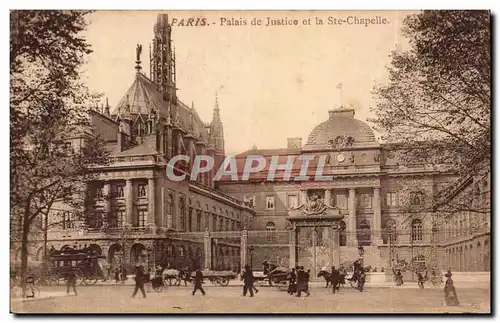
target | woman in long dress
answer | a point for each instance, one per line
(450, 294)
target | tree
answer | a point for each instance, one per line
(435, 108)
(52, 146)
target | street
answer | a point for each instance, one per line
(117, 299)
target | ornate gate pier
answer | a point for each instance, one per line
(314, 235)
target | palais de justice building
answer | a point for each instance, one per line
(138, 214)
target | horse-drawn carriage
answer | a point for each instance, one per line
(174, 277)
(85, 265)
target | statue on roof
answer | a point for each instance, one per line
(138, 52)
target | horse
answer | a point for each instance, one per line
(328, 277)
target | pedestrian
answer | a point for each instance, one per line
(361, 279)
(450, 294)
(335, 279)
(420, 280)
(198, 282)
(71, 282)
(307, 277)
(123, 275)
(117, 275)
(292, 282)
(248, 281)
(140, 276)
(301, 282)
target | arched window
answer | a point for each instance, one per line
(364, 233)
(182, 210)
(391, 233)
(416, 230)
(342, 234)
(271, 231)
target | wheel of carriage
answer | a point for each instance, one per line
(89, 280)
(354, 283)
(223, 281)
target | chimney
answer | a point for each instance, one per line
(122, 139)
(341, 112)
(294, 143)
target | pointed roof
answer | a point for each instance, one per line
(216, 117)
(143, 98)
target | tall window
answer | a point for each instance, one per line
(190, 220)
(170, 207)
(271, 231)
(342, 234)
(182, 210)
(293, 201)
(142, 217)
(207, 220)
(391, 199)
(390, 228)
(67, 222)
(141, 190)
(198, 220)
(120, 190)
(120, 217)
(270, 202)
(221, 223)
(214, 222)
(365, 201)
(416, 230)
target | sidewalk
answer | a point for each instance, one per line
(43, 295)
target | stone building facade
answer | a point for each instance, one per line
(134, 212)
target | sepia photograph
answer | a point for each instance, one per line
(250, 162)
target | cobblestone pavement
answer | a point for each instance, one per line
(117, 299)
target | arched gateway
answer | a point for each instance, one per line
(306, 221)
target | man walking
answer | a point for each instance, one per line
(139, 281)
(302, 282)
(292, 284)
(71, 282)
(335, 279)
(248, 281)
(198, 281)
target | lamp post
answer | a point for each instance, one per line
(251, 250)
(149, 252)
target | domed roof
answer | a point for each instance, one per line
(341, 124)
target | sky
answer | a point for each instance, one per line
(272, 82)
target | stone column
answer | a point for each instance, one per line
(377, 218)
(129, 202)
(243, 248)
(292, 237)
(303, 197)
(207, 246)
(335, 260)
(352, 238)
(151, 201)
(314, 245)
(107, 200)
(328, 197)
(160, 220)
